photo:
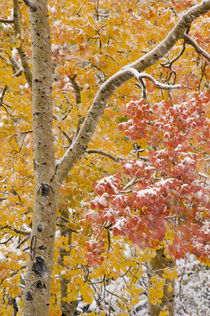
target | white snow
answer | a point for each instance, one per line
(150, 191)
(120, 223)
(101, 200)
(188, 160)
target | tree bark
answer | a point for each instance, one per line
(156, 267)
(38, 278)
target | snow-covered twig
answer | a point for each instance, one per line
(6, 21)
(158, 84)
(129, 184)
(198, 49)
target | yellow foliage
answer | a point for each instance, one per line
(164, 313)
(170, 288)
(87, 293)
(170, 273)
(156, 290)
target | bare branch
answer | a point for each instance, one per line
(6, 241)
(144, 88)
(69, 110)
(20, 232)
(101, 152)
(170, 63)
(158, 84)
(15, 230)
(27, 132)
(78, 146)
(198, 49)
(66, 135)
(23, 57)
(22, 242)
(3, 94)
(16, 67)
(129, 184)
(6, 21)
(77, 88)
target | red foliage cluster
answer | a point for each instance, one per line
(94, 252)
(165, 192)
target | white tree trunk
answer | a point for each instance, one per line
(38, 279)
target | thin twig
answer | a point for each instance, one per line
(170, 63)
(26, 132)
(6, 241)
(69, 109)
(15, 230)
(7, 21)
(198, 49)
(101, 152)
(66, 135)
(3, 94)
(158, 84)
(144, 88)
(129, 184)
(22, 242)
(16, 67)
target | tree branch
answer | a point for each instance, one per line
(23, 57)
(3, 94)
(15, 230)
(79, 145)
(198, 49)
(6, 241)
(76, 88)
(168, 64)
(66, 135)
(6, 21)
(101, 152)
(140, 76)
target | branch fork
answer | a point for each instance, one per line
(140, 76)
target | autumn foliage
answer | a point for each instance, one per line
(160, 198)
(153, 194)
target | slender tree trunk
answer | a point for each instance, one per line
(38, 278)
(157, 266)
(67, 308)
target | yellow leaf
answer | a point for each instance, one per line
(170, 289)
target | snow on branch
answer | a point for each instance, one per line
(198, 49)
(159, 84)
(6, 21)
(140, 76)
(79, 145)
